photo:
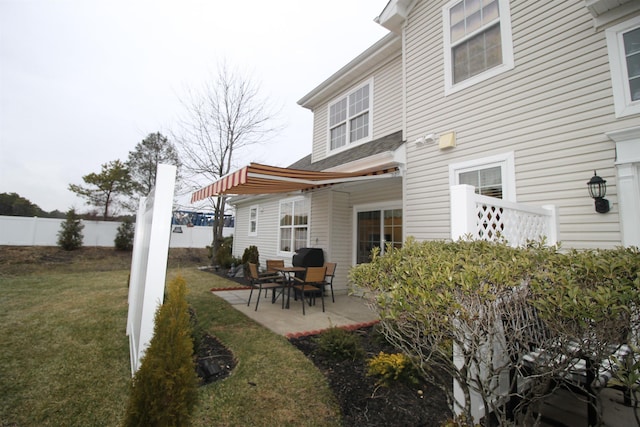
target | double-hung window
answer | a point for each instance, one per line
(253, 221)
(294, 224)
(350, 118)
(477, 41)
(623, 42)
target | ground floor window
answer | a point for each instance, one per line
(377, 228)
(294, 225)
(490, 176)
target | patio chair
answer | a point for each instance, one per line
(328, 279)
(271, 271)
(310, 286)
(263, 282)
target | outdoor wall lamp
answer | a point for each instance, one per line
(598, 189)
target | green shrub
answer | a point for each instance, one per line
(252, 255)
(124, 236)
(434, 296)
(70, 234)
(224, 258)
(164, 389)
(391, 368)
(340, 344)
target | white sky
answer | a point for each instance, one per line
(83, 81)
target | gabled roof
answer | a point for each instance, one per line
(389, 143)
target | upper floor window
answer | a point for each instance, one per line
(294, 224)
(623, 42)
(253, 221)
(477, 41)
(350, 118)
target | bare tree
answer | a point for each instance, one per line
(226, 116)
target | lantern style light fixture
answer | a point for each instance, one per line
(598, 189)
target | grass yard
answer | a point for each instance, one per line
(64, 355)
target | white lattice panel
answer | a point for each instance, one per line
(515, 226)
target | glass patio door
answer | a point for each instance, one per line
(377, 228)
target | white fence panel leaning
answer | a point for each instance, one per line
(149, 262)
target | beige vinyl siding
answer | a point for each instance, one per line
(552, 110)
(267, 237)
(341, 241)
(386, 110)
(319, 235)
(376, 191)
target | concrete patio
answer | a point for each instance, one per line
(346, 311)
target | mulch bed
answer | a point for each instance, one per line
(363, 402)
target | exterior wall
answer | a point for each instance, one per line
(267, 237)
(552, 110)
(331, 222)
(387, 105)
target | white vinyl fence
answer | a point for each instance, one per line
(34, 231)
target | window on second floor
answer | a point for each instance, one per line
(623, 42)
(350, 118)
(477, 41)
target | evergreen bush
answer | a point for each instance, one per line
(124, 236)
(391, 368)
(70, 234)
(340, 344)
(164, 389)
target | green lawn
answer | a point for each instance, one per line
(64, 356)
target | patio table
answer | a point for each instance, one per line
(287, 272)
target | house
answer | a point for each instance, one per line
(521, 99)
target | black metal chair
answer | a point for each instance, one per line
(259, 282)
(329, 275)
(310, 286)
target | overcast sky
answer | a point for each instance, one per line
(83, 81)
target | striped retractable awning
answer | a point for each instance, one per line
(264, 179)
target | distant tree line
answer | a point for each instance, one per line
(12, 204)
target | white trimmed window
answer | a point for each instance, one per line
(491, 176)
(350, 118)
(477, 42)
(623, 42)
(294, 225)
(253, 220)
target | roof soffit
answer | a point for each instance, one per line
(395, 14)
(383, 50)
(607, 11)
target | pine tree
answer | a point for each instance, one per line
(124, 236)
(164, 388)
(70, 234)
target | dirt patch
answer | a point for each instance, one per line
(213, 360)
(363, 402)
(31, 259)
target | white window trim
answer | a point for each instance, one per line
(394, 204)
(507, 163)
(350, 145)
(507, 50)
(619, 75)
(256, 207)
(292, 200)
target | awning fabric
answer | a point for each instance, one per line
(263, 179)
